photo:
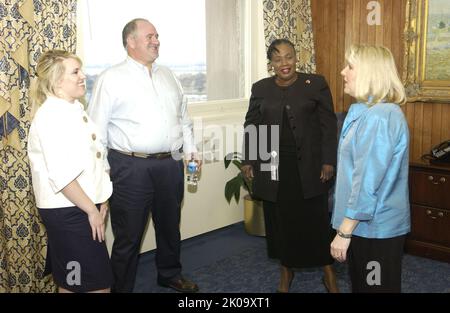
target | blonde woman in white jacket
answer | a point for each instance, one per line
(70, 176)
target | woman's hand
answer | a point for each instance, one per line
(75, 194)
(97, 223)
(247, 171)
(104, 209)
(327, 173)
(339, 247)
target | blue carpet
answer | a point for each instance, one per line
(230, 261)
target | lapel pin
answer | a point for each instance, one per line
(308, 81)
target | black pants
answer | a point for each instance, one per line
(375, 265)
(141, 186)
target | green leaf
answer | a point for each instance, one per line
(233, 188)
(237, 163)
(232, 156)
(237, 195)
(226, 161)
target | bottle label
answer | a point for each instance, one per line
(192, 167)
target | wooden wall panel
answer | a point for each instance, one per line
(339, 23)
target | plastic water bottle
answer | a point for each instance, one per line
(192, 173)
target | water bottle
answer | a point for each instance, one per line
(192, 173)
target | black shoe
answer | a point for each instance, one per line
(181, 284)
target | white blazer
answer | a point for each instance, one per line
(64, 145)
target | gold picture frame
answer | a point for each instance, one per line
(427, 51)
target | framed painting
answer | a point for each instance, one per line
(427, 52)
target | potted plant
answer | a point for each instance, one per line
(253, 211)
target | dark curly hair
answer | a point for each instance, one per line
(273, 47)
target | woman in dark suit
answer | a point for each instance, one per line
(290, 154)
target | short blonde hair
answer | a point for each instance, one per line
(377, 79)
(49, 71)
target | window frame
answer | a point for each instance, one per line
(254, 60)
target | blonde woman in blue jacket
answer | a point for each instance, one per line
(371, 211)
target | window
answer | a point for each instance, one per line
(202, 41)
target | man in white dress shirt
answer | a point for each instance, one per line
(140, 109)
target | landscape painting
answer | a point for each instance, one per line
(426, 73)
(438, 40)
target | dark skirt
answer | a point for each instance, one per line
(298, 230)
(77, 262)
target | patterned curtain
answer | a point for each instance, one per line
(27, 28)
(291, 19)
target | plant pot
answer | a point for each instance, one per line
(254, 217)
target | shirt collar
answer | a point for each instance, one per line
(355, 112)
(141, 66)
(59, 101)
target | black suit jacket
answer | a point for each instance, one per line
(309, 107)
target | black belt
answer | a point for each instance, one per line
(161, 155)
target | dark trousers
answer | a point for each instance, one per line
(143, 186)
(375, 265)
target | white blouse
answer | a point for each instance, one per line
(64, 145)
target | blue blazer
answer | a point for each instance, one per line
(372, 171)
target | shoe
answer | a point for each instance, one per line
(181, 285)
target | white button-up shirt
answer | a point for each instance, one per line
(64, 145)
(139, 111)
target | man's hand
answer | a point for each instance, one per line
(193, 156)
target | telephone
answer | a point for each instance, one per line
(439, 153)
(441, 150)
